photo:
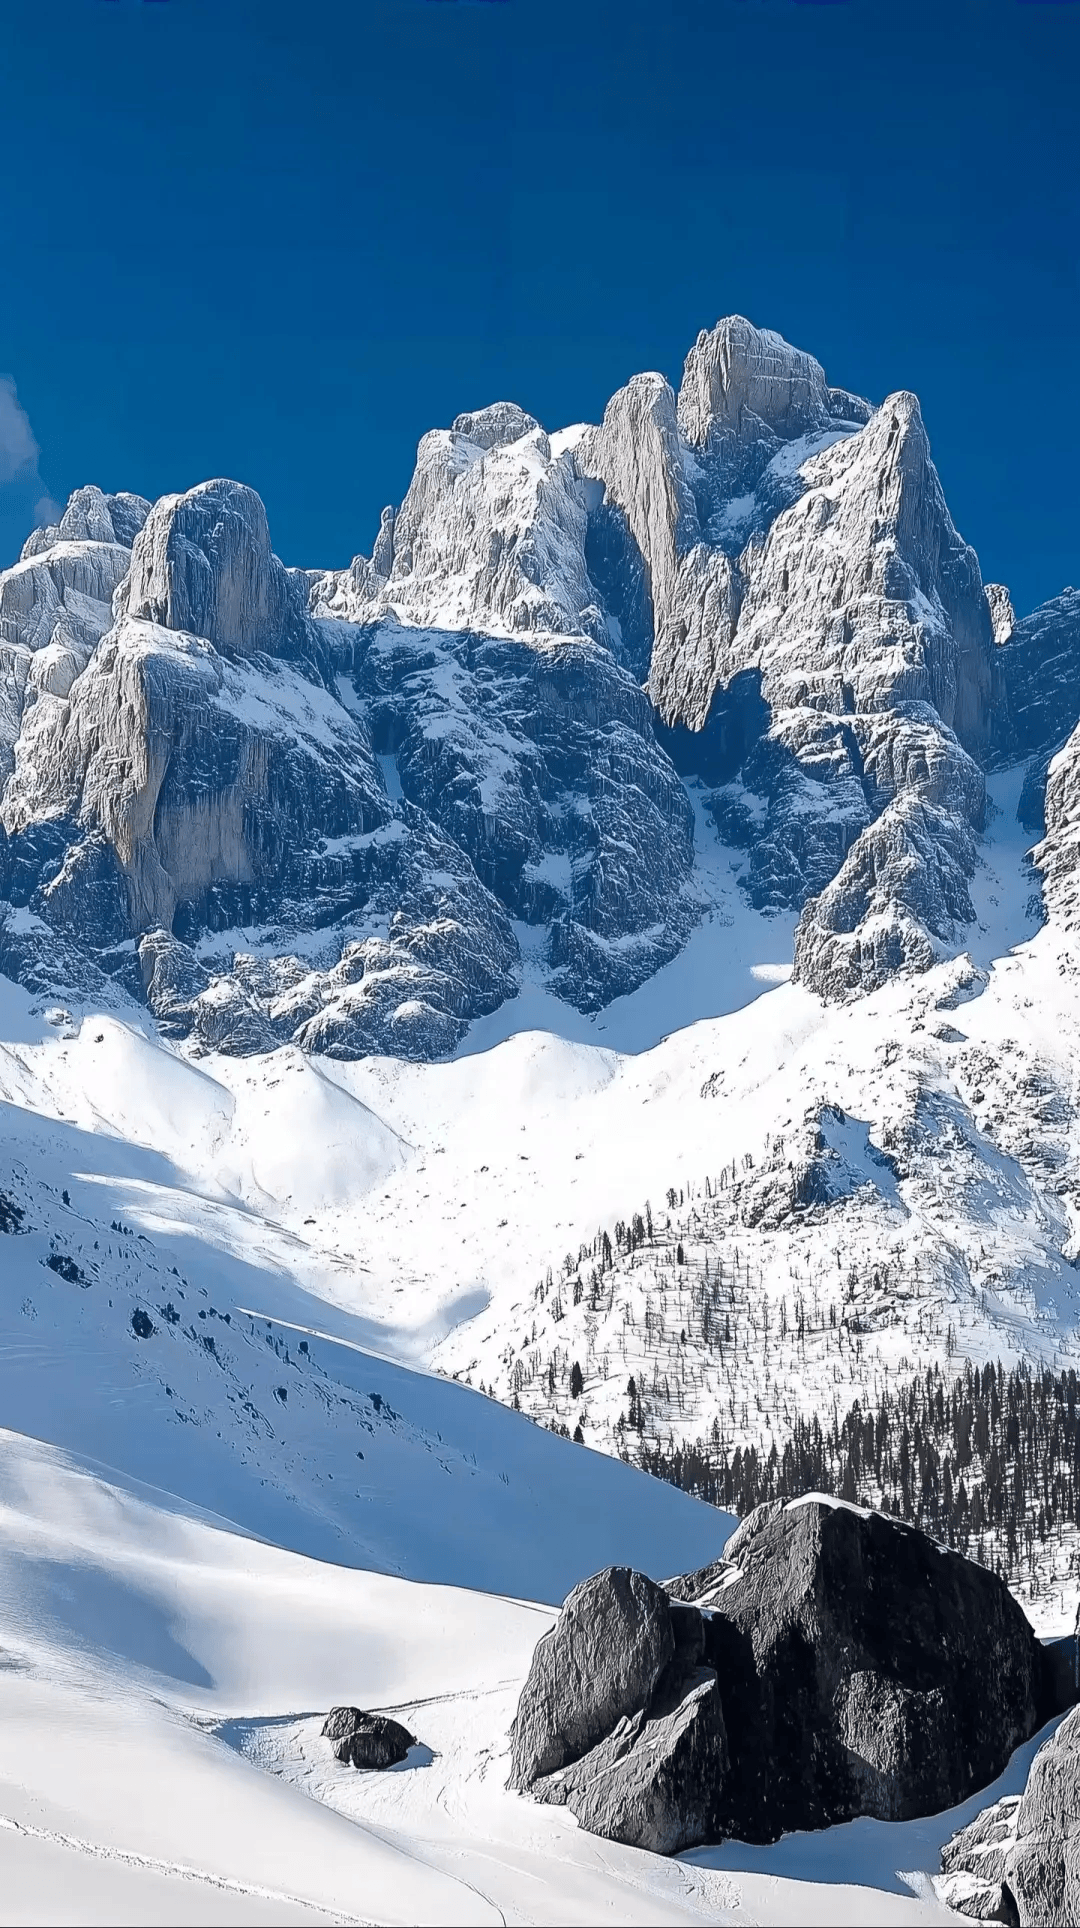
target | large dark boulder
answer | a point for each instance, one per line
(600, 1662)
(864, 1669)
(366, 1740)
(1019, 1861)
(619, 1720)
(833, 1663)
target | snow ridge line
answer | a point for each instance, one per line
(178, 1869)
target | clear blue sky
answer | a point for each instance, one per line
(279, 241)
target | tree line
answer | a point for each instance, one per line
(987, 1463)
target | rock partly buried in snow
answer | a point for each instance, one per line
(1019, 1861)
(833, 1663)
(366, 1740)
(619, 1720)
(864, 1669)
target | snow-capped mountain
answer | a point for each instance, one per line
(350, 809)
(623, 930)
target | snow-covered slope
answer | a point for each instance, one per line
(164, 1684)
(223, 1507)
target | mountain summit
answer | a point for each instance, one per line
(337, 807)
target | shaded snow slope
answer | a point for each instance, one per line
(182, 1340)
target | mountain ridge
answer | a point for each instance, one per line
(770, 557)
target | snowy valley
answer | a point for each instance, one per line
(593, 982)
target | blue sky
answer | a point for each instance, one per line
(279, 241)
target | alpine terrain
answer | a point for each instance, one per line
(512, 1053)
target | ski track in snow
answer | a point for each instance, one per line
(175, 1870)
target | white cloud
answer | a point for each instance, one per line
(46, 511)
(18, 445)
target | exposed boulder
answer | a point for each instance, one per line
(864, 1669)
(1019, 1861)
(366, 1740)
(651, 1783)
(600, 1662)
(833, 1663)
(618, 1719)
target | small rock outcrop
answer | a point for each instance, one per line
(1019, 1861)
(833, 1663)
(366, 1740)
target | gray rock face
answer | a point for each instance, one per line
(91, 516)
(542, 766)
(1040, 661)
(490, 536)
(599, 1664)
(1057, 856)
(202, 563)
(366, 1740)
(745, 390)
(1019, 1861)
(833, 1663)
(205, 796)
(898, 903)
(791, 533)
(651, 1782)
(618, 1720)
(923, 1673)
(1002, 613)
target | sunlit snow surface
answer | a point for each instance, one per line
(202, 1546)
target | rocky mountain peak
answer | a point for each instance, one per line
(749, 386)
(92, 516)
(1002, 613)
(202, 563)
(758, 578)
(493, 427)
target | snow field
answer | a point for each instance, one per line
(163, 1685)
